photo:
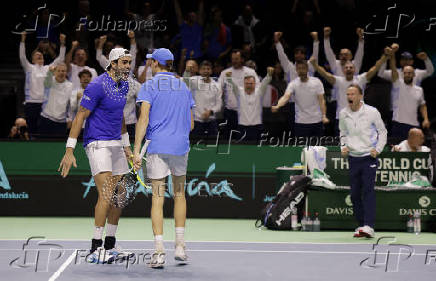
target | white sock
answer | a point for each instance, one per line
(180, 235)
(158, 243)
(98, 232)
(111, 229)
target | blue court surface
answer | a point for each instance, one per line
(38, 259)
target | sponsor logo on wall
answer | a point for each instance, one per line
(4, 184)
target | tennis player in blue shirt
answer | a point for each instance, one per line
(107, 145)
(165, 120)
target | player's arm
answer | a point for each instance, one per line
(68, 160)
(283, 58)
(234, 88)
(178, 10)
(69, 56)
(102, 60)
(429, 69)
(393, 66)
(373, 70)
(382, 134)
(323, 108)
(22, 52)
(133, 50)
(343, 136)
(282, 101)
(329, 54)
(140, 128)
(125, 140)
(266, 80)
(192, 120)
(327, 76)
(61, 57)
(358, 56)
(424, 114)
(315, 49)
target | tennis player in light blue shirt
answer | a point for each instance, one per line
(165, 120)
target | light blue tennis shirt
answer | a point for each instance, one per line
(170, 113)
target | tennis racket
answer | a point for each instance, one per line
(120, 191)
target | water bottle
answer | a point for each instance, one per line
(309, 223)
(316, 223)
(417, 222)
(410, 224)
(294, 219)
(304, 223)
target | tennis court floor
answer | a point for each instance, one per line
(275, 256)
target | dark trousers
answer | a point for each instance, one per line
(33, 113)
(131, 130)
(49, 128)
(205, 129)
(231, 117)
(337, 132)
(250, 133)
(362, 180)
(400, 130)
(308, 130)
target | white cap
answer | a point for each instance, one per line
(117, 53)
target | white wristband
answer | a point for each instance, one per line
(125, 141)
(71, 142)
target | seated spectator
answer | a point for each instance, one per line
(19, 130)
(76, 97)
(34, 85)
(250, 104)
(413, 143)
(208, 99)
(56, 102)
(76, 60)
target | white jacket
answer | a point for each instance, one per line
(362, 131)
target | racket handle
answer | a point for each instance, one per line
(144, 148)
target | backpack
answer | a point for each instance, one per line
(277, 214)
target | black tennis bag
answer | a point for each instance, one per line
(277, 214)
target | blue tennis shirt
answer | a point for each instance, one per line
(106, 100)
(170, 113)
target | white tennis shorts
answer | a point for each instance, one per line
(161, 165)
(107, 156)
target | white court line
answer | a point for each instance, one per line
(246, 251)
(370, 242)
(63, 266)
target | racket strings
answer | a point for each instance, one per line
(120, 192)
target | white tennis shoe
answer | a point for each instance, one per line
(180, 254)
(157, 259)
(367, 232)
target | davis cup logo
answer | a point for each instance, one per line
(424, 201)
(348, 200)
